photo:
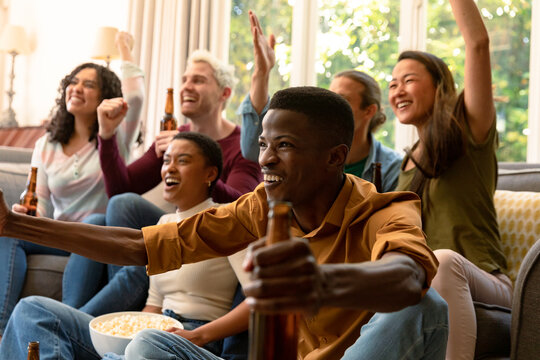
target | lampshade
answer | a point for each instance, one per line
(104, 47)
(14, 39)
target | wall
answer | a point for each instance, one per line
(62, 33)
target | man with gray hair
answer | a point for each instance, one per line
(207, 85)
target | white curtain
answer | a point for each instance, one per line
(166, 32)
(3, 20)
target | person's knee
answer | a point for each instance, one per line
(432, 306)
(29, 305)
(433, 303)
(450, 263)
(120, 201)
(143, 344)
(33, 301)
(94, 219)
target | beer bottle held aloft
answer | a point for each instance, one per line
(29, 197)
(168, 122)
(33, 350)
(376, 177)
(273, 337)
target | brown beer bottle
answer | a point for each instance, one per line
(29, 197)
(274, 337)
(33, 350)
(168, 122)
(376, 177)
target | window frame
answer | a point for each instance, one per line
(413, 34)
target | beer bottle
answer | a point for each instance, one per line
(168, 122)
(29, 197)
(376, 177)
(33, 350)
(273, 337)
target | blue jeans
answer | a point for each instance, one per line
(416, 332)
(61, 330)
(235, 347)
(98, 288)
(13, 254)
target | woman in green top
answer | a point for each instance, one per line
(453, 169)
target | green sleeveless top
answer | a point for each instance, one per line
(461, 215)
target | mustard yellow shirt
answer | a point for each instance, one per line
(360, 226)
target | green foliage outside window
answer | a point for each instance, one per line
(275, 17)
(363, 34)
(360, 35)
(509, 25)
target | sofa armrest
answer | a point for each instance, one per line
(525, 315)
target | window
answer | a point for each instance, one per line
(359, 35)
(509, 25)
(365, 34)
(275, 17)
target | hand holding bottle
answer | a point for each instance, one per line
(285, 278)
(162, 141)
(19, 209)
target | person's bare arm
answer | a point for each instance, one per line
(265, 59)
(479, 105)
(286, 278)
(114, 245)
(124, 44)
(234, 322)
(152, 309)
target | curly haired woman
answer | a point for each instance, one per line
(70, 182)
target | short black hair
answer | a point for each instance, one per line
(329, 113)
(210, 149)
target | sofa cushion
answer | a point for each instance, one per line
(493, 322)
(518, 215)
(13, 180)
(44, 276)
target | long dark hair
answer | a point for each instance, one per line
(62, 124)
(444, 137)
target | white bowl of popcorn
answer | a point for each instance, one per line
(113, 332)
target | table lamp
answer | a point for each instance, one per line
(104, 47)
(13, 42)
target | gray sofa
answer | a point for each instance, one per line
(44, 275)
(501, 331)
(496, 325)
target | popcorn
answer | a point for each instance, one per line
(128, 325)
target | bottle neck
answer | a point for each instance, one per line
(279, 223)
(169, 105)
(32, 181)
